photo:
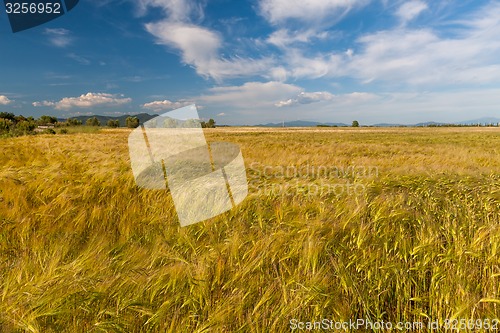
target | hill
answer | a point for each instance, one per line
(301, 123)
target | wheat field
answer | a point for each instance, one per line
(398, 224)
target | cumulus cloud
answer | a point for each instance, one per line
(58, 37)
(43, 103)
(4, 100)
(165, 105)
(88, 100)
(306, 98)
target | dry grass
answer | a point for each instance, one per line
(82, 249)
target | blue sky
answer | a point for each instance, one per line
(259, 61)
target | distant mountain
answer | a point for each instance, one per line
(482, 121)
(429, 123)
(301, 123)
(143, 117)
(388, 125)
(485, 120)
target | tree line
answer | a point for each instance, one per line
(12, 125)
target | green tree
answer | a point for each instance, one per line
(49, 131)
(5, 124)
(132, 122)
(73, 122)
(209, 124)
(355, 123)
(8, 115)
(26, 126)
(20, 118)
(113, 123)
(45, 120)
(93, 122)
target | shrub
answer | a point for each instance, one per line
(5, 124)
(209, 124)
(93, 122)
(132, 122)
(113, 123)
(73, 122)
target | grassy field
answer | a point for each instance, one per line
(393, 225)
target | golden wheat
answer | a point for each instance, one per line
(83, 249)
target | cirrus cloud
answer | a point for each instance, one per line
(410, 10)
(199, 47)
(311, 11)
(306, 98)
(250, 95)
(59, 37)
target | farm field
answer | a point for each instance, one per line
(384, 224)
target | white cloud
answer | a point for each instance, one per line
(86, 101)
(283, 37)
(402, 108)
(251, 95)
(422, 57)
(301, 66)
(404, 56)
(398, 56)
(278, 74)
(410, 10)
(165, 105)
(306, 98)
(311, 11)
(79, 59)
(43, 103)
(4, 100)
(59, 37)
(177, 10)
(222, 114)
(200, 47)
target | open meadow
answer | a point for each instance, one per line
(393, 225)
